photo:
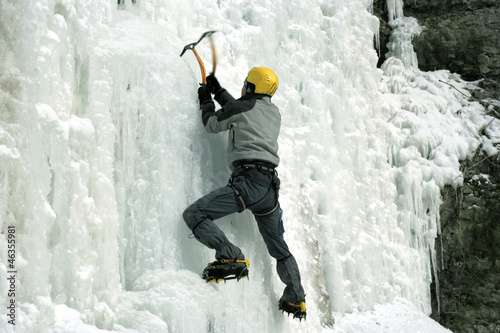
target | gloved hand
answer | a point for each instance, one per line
(212, 83)
(203, 94)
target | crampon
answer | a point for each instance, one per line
(226, 269)
(297, 310)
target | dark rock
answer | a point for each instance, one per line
(469, 250)
(462, 36)
(464, 42)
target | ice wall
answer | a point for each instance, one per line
(60, 190)
(404, 29)
(101, 149)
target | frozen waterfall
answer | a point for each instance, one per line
(102, 148)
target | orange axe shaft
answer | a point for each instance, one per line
(200, 62)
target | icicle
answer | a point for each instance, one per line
(395, 9)
(432, 254)
(7, 155)
(404, 30)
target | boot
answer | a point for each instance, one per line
(226, 269)
(298, 310)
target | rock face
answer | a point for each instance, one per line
(468, 253)
(463, 36)
(460, 35)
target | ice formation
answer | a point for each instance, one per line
(102, 148)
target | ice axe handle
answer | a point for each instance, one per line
(200, 62)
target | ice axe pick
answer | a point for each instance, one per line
(200, 62)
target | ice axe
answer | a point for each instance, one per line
(200, 62)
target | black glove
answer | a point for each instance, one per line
(212, 83)
(203, 94)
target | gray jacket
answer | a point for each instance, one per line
(253, 123)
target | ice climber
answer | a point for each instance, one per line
(253, 122)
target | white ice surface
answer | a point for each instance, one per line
(102, 148)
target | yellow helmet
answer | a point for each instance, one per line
(264, 80)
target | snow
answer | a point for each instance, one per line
(102, 148)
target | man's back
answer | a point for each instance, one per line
(253, 122)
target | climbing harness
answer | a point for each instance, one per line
(274, 184)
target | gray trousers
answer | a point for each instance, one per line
(259, 196)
